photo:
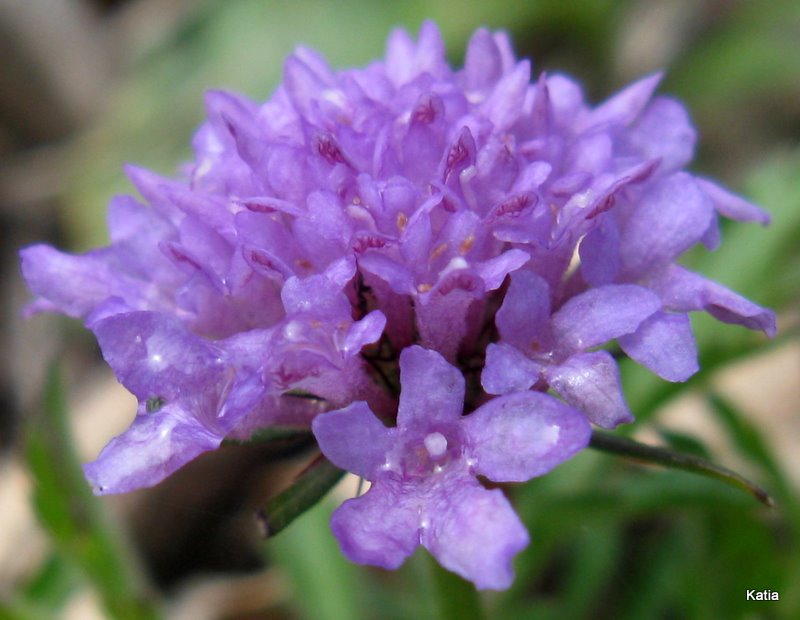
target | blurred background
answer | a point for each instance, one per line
(88, 85)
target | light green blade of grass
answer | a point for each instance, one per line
(73, 517)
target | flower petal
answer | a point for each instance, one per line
(732, 206)
(364, 332)
(669, 219)
(378, 528)
(665, 132)
(154, 355)
(590, 382)
(431, 390)
(623, 107)
(156, 445)
(523, 319)
(600, 314)
(507, 369)
(353, 439)
(683, 290)
(67, 283)
(483, 64)
(475, 533)
(519, 436)
(599, 252)
(494, 270)
(664, 343)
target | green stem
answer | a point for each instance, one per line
(455, 598)
(624, 446)
(310, 486)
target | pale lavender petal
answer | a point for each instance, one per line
(683, 291)
(324, 231)
(669, 219)
(523, 319)
(494, 271)
(601, 314)
(364, 332)
(482, 63)
(713, 236)
(155, 445)
(399, 56)
(441, 315)
(625, 106)
(566, 99)
(396, 275)
(379, 528)
(599, 253)
(474, 533)
(304, 79)
(664, 131)
(430, 50)
(520, 436)
(154, 355)
(319, 292)
(432, 390)
(70, 284)
(664, 343)
(507, 369)
(504, 105)
(732, 206)
(590, 382)
(354, 439)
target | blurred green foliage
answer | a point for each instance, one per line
(610, 540)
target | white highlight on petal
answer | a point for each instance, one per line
(550, 434)
(166, 431)
(292, 331)
(335, 96)
(155, 360)
(435, 444)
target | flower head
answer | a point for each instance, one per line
(363, 223)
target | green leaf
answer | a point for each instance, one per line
(624, 446)
(749, 441)
(53, 584)
(14, 608)
(684, 443)
(73, 516)
(310, 486)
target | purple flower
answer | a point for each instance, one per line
(542, 348)
(424, 490)
(319, 239)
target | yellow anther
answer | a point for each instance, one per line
(467, 244)
(402, 220)
(438, 251)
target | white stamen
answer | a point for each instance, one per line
(435, 444)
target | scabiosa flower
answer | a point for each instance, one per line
(364, 224)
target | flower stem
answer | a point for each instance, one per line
(310, 486)
(627, 447)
